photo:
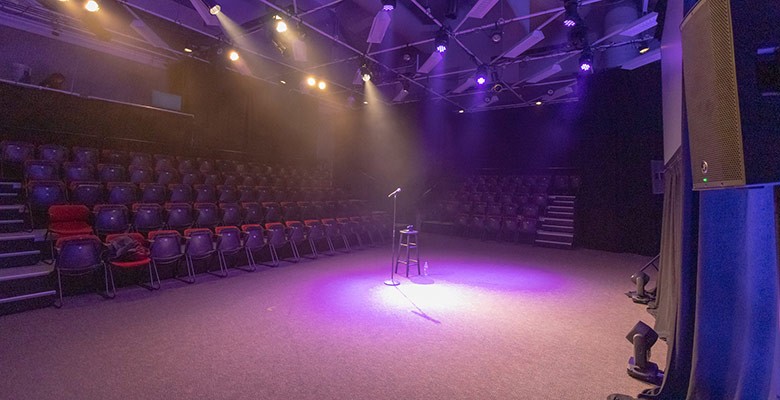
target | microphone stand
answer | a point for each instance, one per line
(392, 281)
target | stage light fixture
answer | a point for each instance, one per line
(283, 82)
(365, 102)
(497, 85)
(644, 47)
(213, 7)
(365, 73)
(388, 5)
(233, 55)
(281, 26)
(322, 85)
(442, 39)
(643, 338)
(641, 295)
(571, 16)
(538, 103)
(586, 60)
(187, 50)
(461, 111)
(311, 81)
(481, 75)
(496, 36)
(92, 6)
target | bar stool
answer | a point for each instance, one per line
(408, 241)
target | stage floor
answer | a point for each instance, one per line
(490, 321)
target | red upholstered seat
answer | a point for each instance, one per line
(69, 228)
(131, 264)
(69, 220)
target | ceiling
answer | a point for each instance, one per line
(329, 39)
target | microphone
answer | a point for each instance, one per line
(395, 192)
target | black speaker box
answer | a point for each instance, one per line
(731, 68)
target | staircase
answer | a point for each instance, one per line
(556, 227)
(25, 281)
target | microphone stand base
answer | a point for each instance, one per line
(392, 282)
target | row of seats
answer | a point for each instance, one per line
(509, 228)
(41, 194)
(85, 163)
(82, 253)
(106, 219)
(523, 184)
(80, 172)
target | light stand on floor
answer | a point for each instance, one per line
(392, 281)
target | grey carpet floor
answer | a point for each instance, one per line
(490, 321)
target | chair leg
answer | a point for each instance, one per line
(108, 276)
(274, 256)
(330, 246)
(295, 251)
(59, 289)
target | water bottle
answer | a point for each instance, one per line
(425, 269)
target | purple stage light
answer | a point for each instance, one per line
(481, 80)
(441, 48)
(585, 67)
(569, 22)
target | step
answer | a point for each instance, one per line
(560, 208)
(560, 214)
(19, 258)
(557, 221)
(28, 287)
(561, 235)
(562, 197)
(562, 203)
(553, 244)
(557, 228)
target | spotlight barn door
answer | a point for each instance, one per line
(732, 92)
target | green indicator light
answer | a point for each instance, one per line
(705, 180)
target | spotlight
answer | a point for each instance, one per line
(571, 16)
(538, 103)
(388, 5)
(92, 6)
(497, 85)
(643, 338)
(233, 55)
(586, 60)
(283, 82)
(365, 73)
(187, 50)
(281, 26)
(213, 7)
(644, 47)
(311, 81)
(322, 85)
(481, 75)
(497, 36)
(442, 39)
(365, 101)
(461, 111)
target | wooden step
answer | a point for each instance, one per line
(553, 244)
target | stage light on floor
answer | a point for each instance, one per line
(322, 85)
(92, 6)
(538, 103)
(641, 295)
(442, 39)
(311, 81)
(643, 338)
(233, 55)
(388, 5)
